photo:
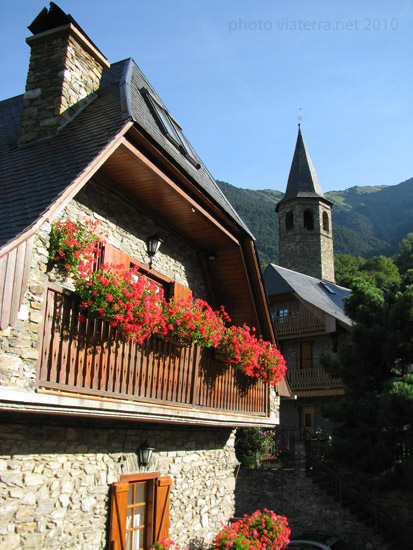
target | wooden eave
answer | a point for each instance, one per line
(169, 167)
(184, 210)
(67, 404)
(322, 392)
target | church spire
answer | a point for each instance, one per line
(302, 181)
(304, 220)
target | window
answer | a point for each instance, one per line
(326, 222)
(139, 511)
(304, 356)
(308, 220)
(307, 419)
(282, 314)
(289, 220)
(285, 308)
(112, 255)
(327, 287)
(170, 128)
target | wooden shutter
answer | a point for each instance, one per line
(181, 291)
(163, 492)
(118, 510)
(307, 357)
(112, 255)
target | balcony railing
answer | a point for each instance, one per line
(310, 379)
(298, 323)
(92, 358)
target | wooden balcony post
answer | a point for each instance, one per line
(195, 376)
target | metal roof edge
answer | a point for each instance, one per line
(125, 91)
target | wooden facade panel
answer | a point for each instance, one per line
(14, 274)
(7, 290)
(92, 357)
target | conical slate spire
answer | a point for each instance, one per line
(302, 181)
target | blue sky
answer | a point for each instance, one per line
(234, 74)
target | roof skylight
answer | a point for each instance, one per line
(170, 128)
(327, 287)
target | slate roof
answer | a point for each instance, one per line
(140, 113)
(279, 280)
(33, 177)
(302, 180)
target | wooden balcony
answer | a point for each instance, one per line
(91, 359)
(310, 380)
(299, 323)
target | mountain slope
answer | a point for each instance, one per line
(367, 221)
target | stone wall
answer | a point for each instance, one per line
(127, 228)
(320, 345)
(55, 481)
(62, 77)
(304, 250)
(305, 505)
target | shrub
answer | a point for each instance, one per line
(251, 444)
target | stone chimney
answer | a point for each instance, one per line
(64, 74)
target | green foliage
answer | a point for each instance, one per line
(367, 221)
(347, 267)
(251, 444)
(350, 241)
(256, 208)
(405, 257)
(379, 270)
(373, 422)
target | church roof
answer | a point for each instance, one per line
(326, 296)
(302, 180)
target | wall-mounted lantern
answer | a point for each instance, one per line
(152, 246)
(144, 454)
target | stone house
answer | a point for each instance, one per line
(93, 140)
(307, 306)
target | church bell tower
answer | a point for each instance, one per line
(304, 220)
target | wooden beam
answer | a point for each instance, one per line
(139, 156)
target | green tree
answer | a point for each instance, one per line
(373, 421)
(251, 444)
(347, 267)
(405, 257)
(379, 270)
(383, 271)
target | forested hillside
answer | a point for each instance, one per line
(367, 221)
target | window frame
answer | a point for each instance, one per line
(156, 504)
(289, 220)
(308, 219)
(170, 128)
(305, 360)
(326, 222)
(172, 289)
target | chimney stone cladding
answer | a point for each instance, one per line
(64, 72)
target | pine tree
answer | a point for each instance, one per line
(373, 423)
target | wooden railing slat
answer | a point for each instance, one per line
(93, 357)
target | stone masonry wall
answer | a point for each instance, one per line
(306, 507)
(62, 77)
(55, 481)
(306, 251)
(127, 229)
(320, 346)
